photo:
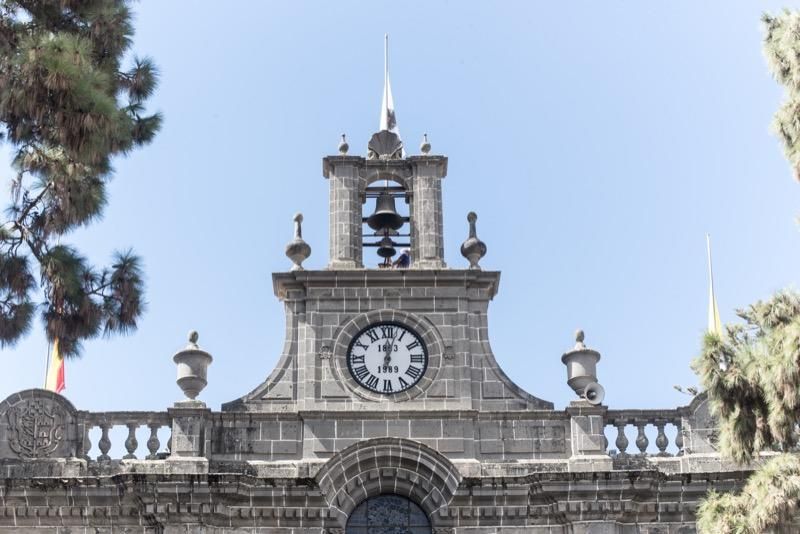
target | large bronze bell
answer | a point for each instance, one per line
(385, 216)
(386, 248)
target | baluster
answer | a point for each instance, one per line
(661, 439)
(641, 438)
(679, 436)
(622, 441)
(130, 443)
(87, 442)
(169, 442)
(605, 442)
(152, 443)
(104, 443)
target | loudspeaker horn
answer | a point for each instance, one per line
(594, 393)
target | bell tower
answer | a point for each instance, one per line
(386, 327)
(354, 180)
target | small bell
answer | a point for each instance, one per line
(386, 248)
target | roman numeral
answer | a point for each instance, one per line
(412, 345)
(357, 358)
(416, 358)
(373, 335)
(372, 382)
(387, 386)
(387, 332)
(403, 383)
(401, 336)
(361, 372)
(413, 372)
(360, 344)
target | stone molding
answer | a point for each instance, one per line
(388, 465)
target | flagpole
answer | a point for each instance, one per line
(47, 364)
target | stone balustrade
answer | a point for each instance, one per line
(131, 421)
(655, 422)
(37, 424)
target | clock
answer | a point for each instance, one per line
(387, 357)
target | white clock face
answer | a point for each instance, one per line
(387, 358)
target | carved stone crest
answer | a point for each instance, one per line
(36, 428)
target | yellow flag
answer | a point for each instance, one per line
(55, 371)
(714, 324)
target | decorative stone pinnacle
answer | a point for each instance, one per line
(473, 248)
(298, 250)
(425, 146)
(192, 364)
(343, 146)
(298, 230)
(579, 337)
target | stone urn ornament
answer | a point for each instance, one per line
(473, 248)
(298, 250)
(425, 146)
(581, 365)
(192, 364)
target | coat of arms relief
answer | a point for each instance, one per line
(35, 428)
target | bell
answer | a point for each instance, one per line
(385, 216)
(386, 248)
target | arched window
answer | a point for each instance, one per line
(388, 514)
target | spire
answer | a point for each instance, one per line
(388, 119)
(714, 324)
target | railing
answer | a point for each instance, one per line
(642, 420)
(131, 421)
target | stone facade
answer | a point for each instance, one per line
(303, 450)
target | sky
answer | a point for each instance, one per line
(597, 142)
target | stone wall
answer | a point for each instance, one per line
(471, 471)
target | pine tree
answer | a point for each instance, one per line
(752, 374)
(67, 107)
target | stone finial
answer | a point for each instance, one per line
(192, 364)
(473, 248)
(425, 146)
(581, 365)
(298, 250)
(343, 146)
(579, 337)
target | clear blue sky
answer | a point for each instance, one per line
(598, 143)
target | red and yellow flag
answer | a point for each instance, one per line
(55, 371)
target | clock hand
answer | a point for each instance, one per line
(388, 358)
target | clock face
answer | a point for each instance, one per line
(387, 358)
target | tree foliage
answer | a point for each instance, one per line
(768, 500)
(752, 377)
(67, 107)
(782, 50)
(752, 374)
